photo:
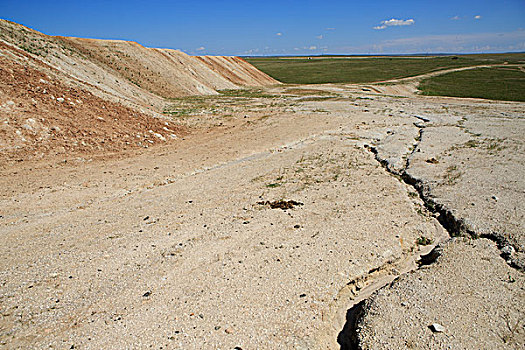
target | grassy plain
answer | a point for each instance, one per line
(497, 83)
(318, 70)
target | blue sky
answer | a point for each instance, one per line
(285, 27)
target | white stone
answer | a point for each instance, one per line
(437, 328)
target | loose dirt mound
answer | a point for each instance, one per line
(41, 116)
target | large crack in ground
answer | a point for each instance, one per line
(454, 226)
(347, 338)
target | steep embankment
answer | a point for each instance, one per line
(169, 73)
(41, 116)
(122, 87)
(237, 70)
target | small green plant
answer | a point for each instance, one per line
(471, 143)
(452, 175)
(413, 194)
(422, 240)
(273, 185)
(512, 328)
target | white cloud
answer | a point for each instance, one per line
(319, 37)
(455, 18)
(279, 34)
(394, 23)
(477, 17)
(202, 48)
(312, 48)
(330, 28)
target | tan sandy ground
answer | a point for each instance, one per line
(168, 247)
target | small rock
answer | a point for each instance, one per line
(436, 328)
(229, 330)
(297, 226)
(495, 198)
(60, 99)
(147, 294)
(507, 250)
(302, 295)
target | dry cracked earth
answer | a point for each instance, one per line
(318, 217)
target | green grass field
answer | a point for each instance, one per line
(366, 69)
(501, 83)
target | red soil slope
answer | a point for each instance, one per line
(41, 116)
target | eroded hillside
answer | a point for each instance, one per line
(73, 96)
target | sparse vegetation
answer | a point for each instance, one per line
(424, 241)
(225, 104)
(413, 194)
(471, 144)
(281, 204)
(246, 93)
(452, 174)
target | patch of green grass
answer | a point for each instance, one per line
(180, 112)
(366, 69)
(497, 83)
(246, 93)
(309, 92)
(273, 185)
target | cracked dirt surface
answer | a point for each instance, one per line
(168, 247)
(407, 308)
